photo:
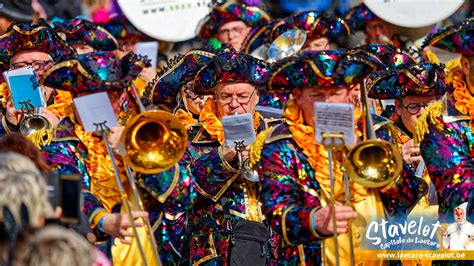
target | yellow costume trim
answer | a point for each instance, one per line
(311, 218)
(464, 99)
(96, 216)
(62, 106)
(256, 147)
(317, 155)
(211, 120)
(283, 225)
(5, 125)
(103, 184)
(41, 137)
(186, 118)
(4, 93)
(216, 197)
(431, 112)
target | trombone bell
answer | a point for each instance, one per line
(154, 141)
(374, 163)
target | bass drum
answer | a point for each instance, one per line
(413, 13)
(169, 20)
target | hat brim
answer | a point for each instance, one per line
(167, 84)
(456, 38)
(231, 67)
(74, 76)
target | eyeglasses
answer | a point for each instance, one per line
(235, 31)
(36, 64)
(413, 108)
(241, 98)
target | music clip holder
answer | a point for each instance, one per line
(334, 129)
(103, 130)
(27, 107)
(97, 115)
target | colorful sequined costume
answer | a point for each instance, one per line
(445, 131)
(218, 183)
(294, 170)
(447, 146)
(216, 179)
(424, 81)
(292, 191)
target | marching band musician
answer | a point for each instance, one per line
(164, 194)
(231, 22)
(169, 88)
(227, 204)
(294, 169)
(321, 30)
(445, 130)
(128, 36)
(40, 47)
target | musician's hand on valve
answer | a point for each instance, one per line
(323, 219)
(12, 114)
(116, 224)
(411, 153)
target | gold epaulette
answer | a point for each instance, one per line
(256, 147)
(431, 112)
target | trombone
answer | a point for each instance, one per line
(152, 142)
(372, 163)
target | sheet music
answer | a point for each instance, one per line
(24, 87)
(150, 49)
(95, 108)
(238, 128)
(334, 118)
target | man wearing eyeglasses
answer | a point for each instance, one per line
(226, 202)
(294, 169)
(28, 52)
(413, 88)
(231, 22)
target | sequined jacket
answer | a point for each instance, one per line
(388, 130)
(448, 150)
(167, 197)
(291, 195)
(67, 155)
(216, 179)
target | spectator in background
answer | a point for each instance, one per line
(376, 29)
(26, 188)
(14, 162)
(15, 209)
(16, 142)
(55, 245)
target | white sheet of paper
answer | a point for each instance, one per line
(269, 112)
(334, 118)
(24, 86)
(95, 108)
(150, 49)
(238, 128)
